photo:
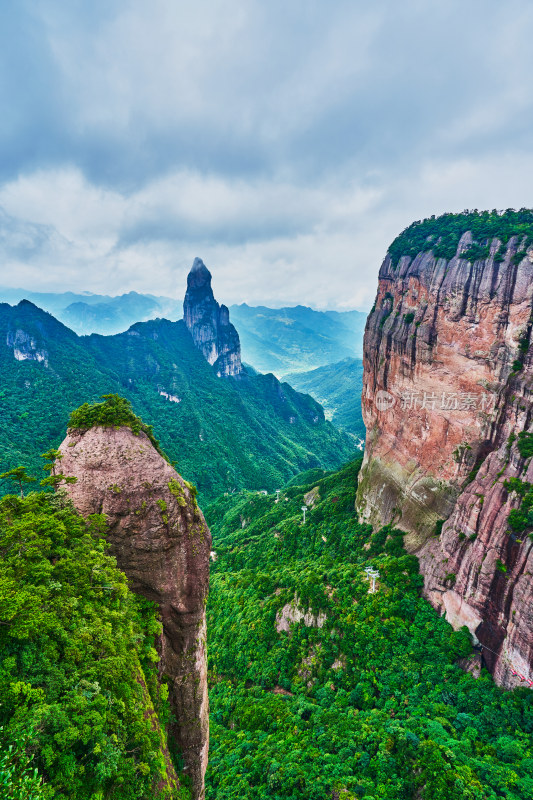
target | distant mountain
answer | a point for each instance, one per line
(272, 340)
(353, 320)
(288, 340)
(116, 315)
(87, 313)
(337, 387)
(224, 433)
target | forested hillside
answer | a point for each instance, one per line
(337, 387)
(297, 339)
(82, 713)
(321, 689)
(224, 434)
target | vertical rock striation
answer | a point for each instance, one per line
(161, 541)
(447, 390)
(209, 324)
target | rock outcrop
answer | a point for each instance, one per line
(447, 392)
(25, 347)
(209, 324)
(161, 541)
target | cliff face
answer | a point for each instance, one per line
(208, 323)
(161, 541)
(447, 388)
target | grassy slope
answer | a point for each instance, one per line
(370, 705)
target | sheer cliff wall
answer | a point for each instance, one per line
(446, 395)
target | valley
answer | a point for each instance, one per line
(355, 694)
(248, 430)
(367, 632)
(337, 387)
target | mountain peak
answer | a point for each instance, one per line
(199, 275)
(198, 264)
(209, 323)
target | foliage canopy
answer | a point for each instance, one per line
(114, 412)
(362, 698)
(77, 661)
(441, 234)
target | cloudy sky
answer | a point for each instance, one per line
(286, 143)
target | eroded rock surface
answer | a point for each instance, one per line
(161, 541)
(25, 347)
(292, 613)
(209, 323)
(447, 382)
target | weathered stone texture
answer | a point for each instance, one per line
(161, 541)
(209, 323)
(441, 343)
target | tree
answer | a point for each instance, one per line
(19, 476)
(19, 779)
(55, 479)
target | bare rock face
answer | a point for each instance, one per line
(293, 613)
(161, 541)
(447, 382)
(209, 324)
(25, 347)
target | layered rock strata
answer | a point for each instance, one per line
(161, 541)
(447, 391)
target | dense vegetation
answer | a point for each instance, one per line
(113, 412)
(338, 388)
(521, 518)
(361, 699)
(79, 696)
(223, 434)
(442, 234)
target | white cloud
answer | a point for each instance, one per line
(286, 144)
(265, 241)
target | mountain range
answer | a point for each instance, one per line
(225, 433)
(362, 625)
(297, 339)
(85, 312)
(281, 340)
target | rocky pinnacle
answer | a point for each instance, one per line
(161, 541)
(209, 324)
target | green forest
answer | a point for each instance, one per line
(337, 387)
(441, 234)
(222, 434)
(319, 687)
(80, 701)
(364, 697)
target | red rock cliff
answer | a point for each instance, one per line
(161, 541)
(447, 388)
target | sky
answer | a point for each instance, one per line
(285, 143)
